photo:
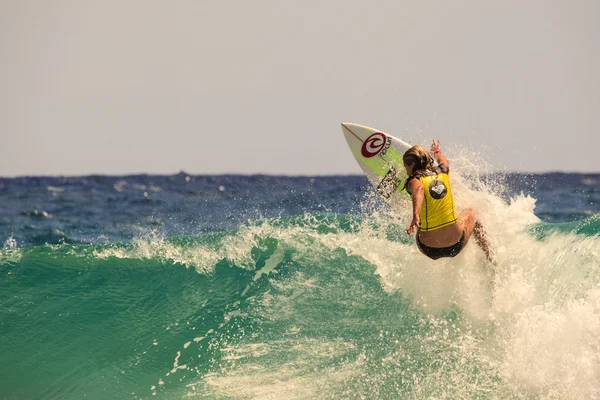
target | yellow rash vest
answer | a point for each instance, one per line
(438, 204)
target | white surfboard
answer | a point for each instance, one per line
(380, 157)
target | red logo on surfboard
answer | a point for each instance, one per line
(374, 145)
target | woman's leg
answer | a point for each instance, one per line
(481, 238)
(471, 225)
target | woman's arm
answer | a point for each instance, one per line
(416, 188)
(436, 149)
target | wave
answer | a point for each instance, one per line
(312, 306)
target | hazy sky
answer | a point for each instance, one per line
(261, 86)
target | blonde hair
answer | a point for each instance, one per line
(420, 157)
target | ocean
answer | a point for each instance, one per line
(277, 287)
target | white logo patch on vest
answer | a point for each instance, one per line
(437, 189)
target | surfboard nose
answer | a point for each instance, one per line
(349, 128)
(346, 125)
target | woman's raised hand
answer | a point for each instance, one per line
(435, 147)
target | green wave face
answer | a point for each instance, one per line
(317, 306)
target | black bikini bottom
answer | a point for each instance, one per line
(438, 252)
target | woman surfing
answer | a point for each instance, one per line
(440, 233)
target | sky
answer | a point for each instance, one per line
(212, 87)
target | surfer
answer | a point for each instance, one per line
(440, 233)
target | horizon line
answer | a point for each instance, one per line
(181, 172)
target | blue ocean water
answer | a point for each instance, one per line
(273, 287)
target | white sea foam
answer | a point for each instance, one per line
(542, 297)
(269, 373)
(10, 252)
